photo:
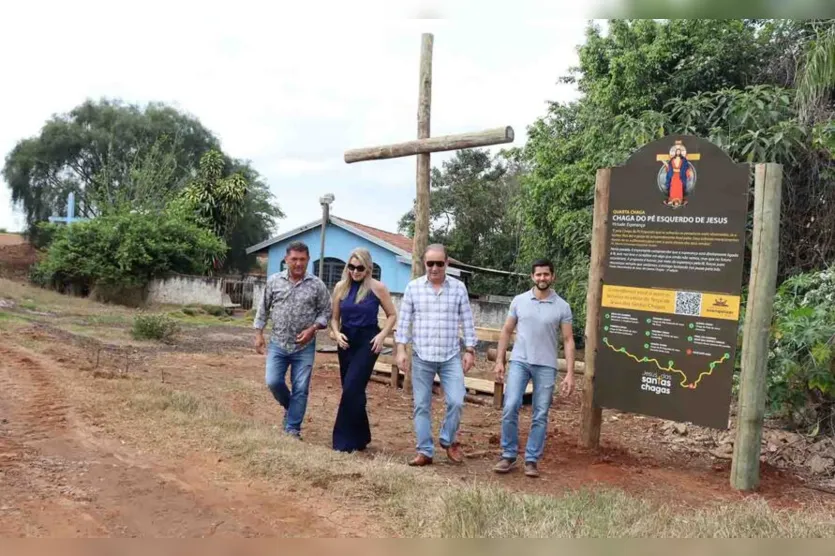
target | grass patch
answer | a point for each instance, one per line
(11, 321)
(214, 310)
(197, 317)
(154, 327)
(481, 511)
(52, 301)
(424, 504)
(106, 320)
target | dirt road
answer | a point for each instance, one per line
(102, 435)
(61, 476)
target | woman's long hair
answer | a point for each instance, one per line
(344, 285)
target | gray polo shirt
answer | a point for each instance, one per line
(538, 325)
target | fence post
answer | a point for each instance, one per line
(591, 414)
(745, 467)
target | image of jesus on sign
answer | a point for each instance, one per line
(679, 176)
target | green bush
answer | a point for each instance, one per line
(190, 311)
(43, 234)
(214, 310)
(154, 327)
(126, 251)
(801, 383)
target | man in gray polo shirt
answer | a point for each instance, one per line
(538, 315)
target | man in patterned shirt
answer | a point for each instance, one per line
(435, 306)
(298, 304)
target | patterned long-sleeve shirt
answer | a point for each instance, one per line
(292, 308)
(435, 318)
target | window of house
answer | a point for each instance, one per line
(376, 272)
(332, 271)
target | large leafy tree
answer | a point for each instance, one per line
(473, 211)
(94, 149)
(119, 158)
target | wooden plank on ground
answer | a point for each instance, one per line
(480, 385)
(481, 333)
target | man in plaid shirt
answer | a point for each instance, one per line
(435, 306)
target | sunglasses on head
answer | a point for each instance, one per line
(358, 268)
(435, 263)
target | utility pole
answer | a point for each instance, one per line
(326, 210)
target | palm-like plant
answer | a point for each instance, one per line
(817, 76)
(218, 201)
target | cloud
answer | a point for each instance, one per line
(291, 86)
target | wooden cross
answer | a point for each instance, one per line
(425, 145)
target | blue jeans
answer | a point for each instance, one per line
(451, 374)
(516, 380)
(301, 365)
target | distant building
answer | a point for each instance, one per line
(391, 253)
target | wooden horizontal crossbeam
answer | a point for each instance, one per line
(562, 365)
(433, 144)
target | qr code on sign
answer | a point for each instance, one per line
(688, 303)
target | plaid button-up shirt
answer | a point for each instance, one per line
(435, 318)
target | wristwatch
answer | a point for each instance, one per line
(470, 350)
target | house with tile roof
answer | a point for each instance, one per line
(390, 252)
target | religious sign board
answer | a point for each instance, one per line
(672, 278)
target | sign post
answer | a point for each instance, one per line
(745, 467)
(671, 283)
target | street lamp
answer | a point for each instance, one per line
(326, 208)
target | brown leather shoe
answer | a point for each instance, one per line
(421, 460)
(453, 452)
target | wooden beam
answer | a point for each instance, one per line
(481, 333)
(498, 395)
(491, 334)
(479, 385)
(590, 413)
(745, 467)
(421, 234)
(562, 364)
(495, 136)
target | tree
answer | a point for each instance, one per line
(216, 195)
(92, 150)
(472, 210)
(817, 78)
(256, 224)
(119, 158)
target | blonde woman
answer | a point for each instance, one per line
(356, 303)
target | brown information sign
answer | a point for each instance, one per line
(672, 280)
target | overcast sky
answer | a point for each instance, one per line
(291, 91)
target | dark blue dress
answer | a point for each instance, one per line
(359, 323)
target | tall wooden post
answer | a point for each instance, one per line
(421, 238)
(421, 234)
(591, 414)
(326, 205)
(745, 468)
